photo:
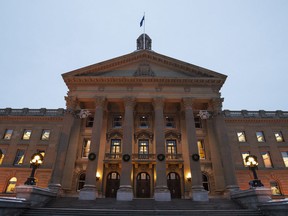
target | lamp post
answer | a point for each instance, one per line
(251, 161)
(35, 162)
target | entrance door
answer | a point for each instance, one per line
(174, 185)
(143, 185)
(112, 184)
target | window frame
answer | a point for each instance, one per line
(260, 136)
(117, 121)
(266, 165)
(243, 134)
(285, 158)
(24, 134)
(19, 158)
(280, 134)
(85, 152)
(8, 134)
(201, 149)
(44, 131)
(113, 146)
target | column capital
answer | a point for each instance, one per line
(129, 101)
(188, 102)
(99, 101)
(158, 102)
(216, 104)
(71, 103)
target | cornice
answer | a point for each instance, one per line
(31, 118)
(251, 120)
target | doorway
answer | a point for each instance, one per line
(112, 184)
(174, 185)
(143, 185)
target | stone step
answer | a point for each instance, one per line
(114, 212)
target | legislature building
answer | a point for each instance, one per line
(143, 125)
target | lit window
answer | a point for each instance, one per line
(241, 136)
(198, 123)
(19, 157)
(45, 135)
(171, 148)
(285, 158)
(89, 121)
(244, 155)
(279, 136)
(275, 189)
(8, 134)
(117, 121)
(144, 121)
(81, 181)
(11, 185)
(266, 159)
(143, 149)
(201, 149)
(170, 122)
(2, 155)
(86, 148)
(26, 134)
(260, 136)
(115, 146)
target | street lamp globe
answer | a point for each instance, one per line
(35, 162)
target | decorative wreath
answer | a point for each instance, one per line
(161, 157)
(195, 157)
(126, 157)
(92, 156)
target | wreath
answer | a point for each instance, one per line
(126, 157)
(195, 157)
(92, 156)
(161, 157)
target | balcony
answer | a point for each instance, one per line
(143, 157)
(113, 157)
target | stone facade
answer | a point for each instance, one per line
(143, 125)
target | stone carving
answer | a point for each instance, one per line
(204, 114)
(84, 113)
(216, 104)
(71, 103)
(144, 70)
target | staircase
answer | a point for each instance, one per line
(111, 207)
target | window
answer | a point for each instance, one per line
(81, 181)
(144, 121)
(89, 121)
(86, 148)
(201, 149)
(117, 121)
(260, 136)
(171, 148)
(8, 134)
(170, 122)
(198, 123)
(244, 155)
(143, 149)
(279, 136)
(26, 134)
(115, 147)
(19, 157)
(11, 185)
(2, 155)
(45, 135)
(205, 182)
(266, 159)
(275, 189)
(285, 158)
(241, 136)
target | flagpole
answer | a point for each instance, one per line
(144, 31)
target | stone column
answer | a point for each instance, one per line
(89, 191)
(224, 145)
(68, 123)
(125, 191)
(198, 192)
(161, 192)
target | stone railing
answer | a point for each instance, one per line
(32, 112)
(171, 157)
(110, 156)
(255, 114)
(143, 156)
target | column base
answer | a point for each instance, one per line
(199, 194)
(88, 192)
(125, 193)
(229, 190)
(162, 194)
(56, 188)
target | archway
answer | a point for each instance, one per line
(174, 185)
(143, 185)
(112, 184)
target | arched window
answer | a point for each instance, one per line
(11, 185)
(275, 189)
(205, 181)
(81, 181)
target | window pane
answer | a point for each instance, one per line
(26, 134)
(266, 159)
(275, 188)
(260, 136)
(45, 135)
(170, 122)
(2, 155)
(201, 149)
(86, 148)
(8, 134)
(117, 121)
(89, 121)
(115, 146)
(241, 136)
(11, 185)
(285, 158)
(279, 136)
(198, 122)
(19, 157)
(144, 121)
(244, 155)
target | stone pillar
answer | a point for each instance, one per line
(198, 192)
(224, 145)
(161, 192)
(89, 191)
(125, 191)
(68, 123)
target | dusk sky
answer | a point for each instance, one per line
(247, 40)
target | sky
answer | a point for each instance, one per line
(247, 40)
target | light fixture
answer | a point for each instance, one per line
(97, 176)
(188, 177)
(35, 162)
(252, 163)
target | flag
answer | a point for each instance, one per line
(142, 20)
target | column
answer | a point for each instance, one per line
(125, 191)
(68, 123)
(224, 145)
(89, 191)
(198, 192)
(161, 192)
